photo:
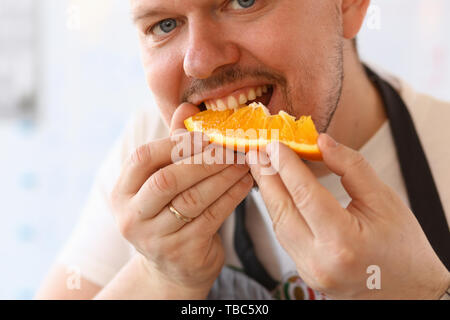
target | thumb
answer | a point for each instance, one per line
(358, 177)
(183, 112)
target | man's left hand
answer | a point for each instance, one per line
(336, 249)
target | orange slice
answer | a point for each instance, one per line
(252, 127)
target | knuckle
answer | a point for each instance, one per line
(209, 216)
(124, 220)
(225, 176)
(191, 197)
(302, 194)
(358, 161)
(279, 208)
(342, 261)
(141, 155)
(126, 226)
(207, 168)
(235, 194)
(230, 175)
(162, 182)
(345, 258)
(323, 279)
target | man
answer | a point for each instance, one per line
(301, 235)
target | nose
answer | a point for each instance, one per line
(208, 50)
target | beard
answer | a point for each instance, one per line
(332, 96)
(323, 104)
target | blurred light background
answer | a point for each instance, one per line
(70, 76)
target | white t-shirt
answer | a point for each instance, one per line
(99, 251)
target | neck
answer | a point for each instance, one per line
(360, 112)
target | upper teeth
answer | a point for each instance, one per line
(233, 102)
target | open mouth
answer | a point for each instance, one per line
(262, 94)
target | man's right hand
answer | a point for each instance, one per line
(186, 255)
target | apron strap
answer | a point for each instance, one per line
(422, 192)
(421, 189)
(245, 250)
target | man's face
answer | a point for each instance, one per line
(219, 52)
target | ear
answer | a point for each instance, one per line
(353, 14)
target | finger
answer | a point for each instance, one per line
(285, 217)
(358, 177)
(151, 156)
(183, 112)
(209, 222)
(168, 182)
(193, 201)
(275, 195)
(321, 210)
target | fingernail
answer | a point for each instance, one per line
(329, 141)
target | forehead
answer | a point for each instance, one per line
(147, 8)
(143, 4)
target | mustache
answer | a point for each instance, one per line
(234, 74)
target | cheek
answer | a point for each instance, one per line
(162, 71)
(299, 42)
(285, 41)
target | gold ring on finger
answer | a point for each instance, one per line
(178, 215)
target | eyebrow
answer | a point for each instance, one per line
(147, 13)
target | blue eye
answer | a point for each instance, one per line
(239, 4)
(165, 26)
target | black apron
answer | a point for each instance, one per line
(422, 192)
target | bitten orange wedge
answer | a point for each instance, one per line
(252, 127)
